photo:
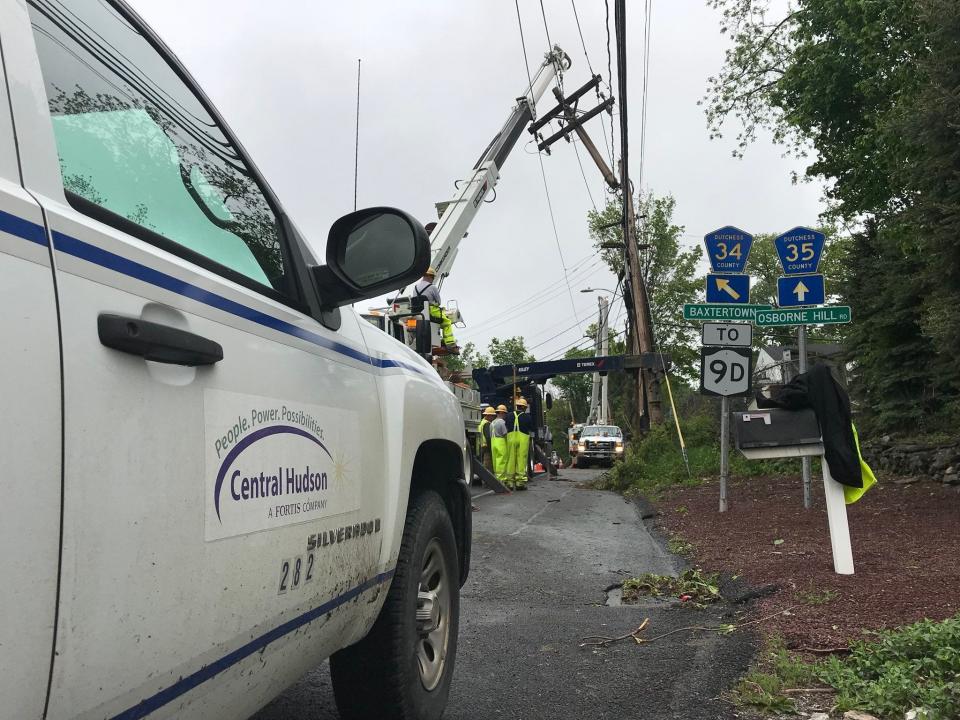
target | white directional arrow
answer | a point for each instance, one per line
(801, 291)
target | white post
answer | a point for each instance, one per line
(837, 520)
(724, 450)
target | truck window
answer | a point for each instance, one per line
(133, 139)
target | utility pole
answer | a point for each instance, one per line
(648, 388)
(595, 389)
(604, 351)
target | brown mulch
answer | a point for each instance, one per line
(906, 549)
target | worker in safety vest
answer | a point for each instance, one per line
(498, 445)
(483, 437)
(518, 449)
(425, 289)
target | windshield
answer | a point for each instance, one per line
(603, 430)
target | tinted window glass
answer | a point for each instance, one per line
(134, 139)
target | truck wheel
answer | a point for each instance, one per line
(402, 669)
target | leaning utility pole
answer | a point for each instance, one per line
(648, 386)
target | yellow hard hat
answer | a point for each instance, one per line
(431, 272)
(501, 408)
(521, 402)
(489, 410)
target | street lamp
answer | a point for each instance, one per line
(590, 290)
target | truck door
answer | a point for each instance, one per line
(222, 517)
(30, 440)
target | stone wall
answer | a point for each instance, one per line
(940, 463)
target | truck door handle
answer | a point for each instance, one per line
(153, 341)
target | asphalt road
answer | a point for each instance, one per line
(541, 562)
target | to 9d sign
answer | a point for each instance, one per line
(725, 371)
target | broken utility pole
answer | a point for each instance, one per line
(648, 385)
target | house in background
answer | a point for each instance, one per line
(778, 364)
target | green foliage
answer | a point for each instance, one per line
(670, 273)
(700, 589)
(777, 671)
(870, 88)
(655, 462)
(915, 666)
(509, 351)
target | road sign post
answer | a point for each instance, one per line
(724, 450)
(805, 461)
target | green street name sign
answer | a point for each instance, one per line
(722, 311)
(826, 315)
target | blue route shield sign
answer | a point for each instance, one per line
(728, 289)
(728, 249)
(800, 250)
(797, 290)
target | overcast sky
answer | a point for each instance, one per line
(438, 80)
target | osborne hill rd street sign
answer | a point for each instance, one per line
(707, 311)
(828, 315)
(800, 250)
(728, 249)
(796, 290)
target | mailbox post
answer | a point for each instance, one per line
(775, 433)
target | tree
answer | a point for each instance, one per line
(871, 89)
(509, 351)
(669, 272)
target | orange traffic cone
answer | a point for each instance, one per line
(538, 467)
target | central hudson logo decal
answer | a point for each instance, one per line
(271, 464)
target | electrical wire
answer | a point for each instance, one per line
(647, 24)
(542, 296)
(583, 174)
(576, 17)
(543, 172)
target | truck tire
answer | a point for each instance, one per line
(402, 669)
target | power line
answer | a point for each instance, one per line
(648, 22)
(543, 12)
(583, 174)
(523, 44)
(606, 4)
(556, 234)
(543, 172)
(582, 41)
(544, 295)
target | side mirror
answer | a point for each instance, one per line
(549, 401)
(370, 252)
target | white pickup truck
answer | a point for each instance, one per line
(215, 475)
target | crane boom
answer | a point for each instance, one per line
(458, 213)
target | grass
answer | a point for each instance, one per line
(678, 546)
(766, 686)
(817, 597)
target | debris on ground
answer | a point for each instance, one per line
(691, 586)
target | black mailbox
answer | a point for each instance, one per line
(773, 433)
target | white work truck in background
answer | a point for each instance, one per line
(600, 444)
(215, 474)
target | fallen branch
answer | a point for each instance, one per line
(809, 690)
(605, 641)
(825, 651)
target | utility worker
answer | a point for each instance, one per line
(525, 425)
(425, 289)
(518, 449)
(498, 445)
(483, 437)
